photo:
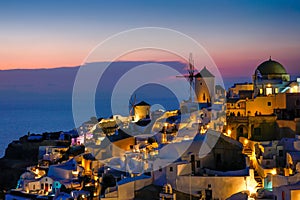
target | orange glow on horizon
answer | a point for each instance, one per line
(53, 61)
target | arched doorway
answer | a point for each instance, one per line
(242, 131)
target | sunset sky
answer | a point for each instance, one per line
(238, 35)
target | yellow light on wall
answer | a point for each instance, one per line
(294, 89)
(229, 132)
(274, 171)
(269, 85)
(163, 138)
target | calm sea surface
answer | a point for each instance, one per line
(17, 120)
(18, 117)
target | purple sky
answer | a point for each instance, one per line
(237, 34)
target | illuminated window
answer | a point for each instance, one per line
(260, 91)
(276, 90)
(268, 91)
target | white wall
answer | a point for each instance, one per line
(222, 187)
(33, 186)
(289, 193)
(278, 180)
(139, 184)
(126, 191)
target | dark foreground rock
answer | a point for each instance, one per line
(18, 156)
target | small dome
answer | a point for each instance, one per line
(271, 67)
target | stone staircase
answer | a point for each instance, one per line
(247, 151)
(258, 180)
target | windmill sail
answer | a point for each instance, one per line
(132, 103)
(191, 75)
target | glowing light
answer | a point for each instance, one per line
(273, 172)
(229, 132)
(186, 137)
(202, 130)
(246, 142)
(252, 190)
(75, 172)
(294, 89)
(269, 85)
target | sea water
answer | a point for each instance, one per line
(17, 119)
(49, 114)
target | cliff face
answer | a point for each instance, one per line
(19, 155)
(23, 151)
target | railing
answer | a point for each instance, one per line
(237, 118)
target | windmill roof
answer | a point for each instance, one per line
(204, 73)
(142, 103)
